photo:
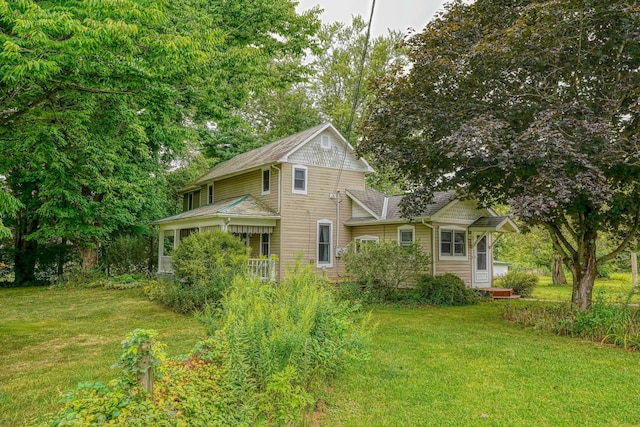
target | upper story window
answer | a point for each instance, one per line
(299, 176)
(189, 201)
(406, 235)
(210, 194)
(325, 231)
(453, 243)
(266, 181)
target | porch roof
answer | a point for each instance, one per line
(500, 224)
(245, 206)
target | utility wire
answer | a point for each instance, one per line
(356, 98)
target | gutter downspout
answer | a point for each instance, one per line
(433, 246)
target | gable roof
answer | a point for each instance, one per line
(245, 206)
(387, 208)
(276, 152)
(494, 223)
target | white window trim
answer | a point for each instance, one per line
(268, 243)
(190, 201)
(365, 238)
(453, 257)
(265, 192)
(213, 194)
(293, 179)
(402, 228)
(330, 224)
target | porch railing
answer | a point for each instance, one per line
(165, 265)
(264, 268)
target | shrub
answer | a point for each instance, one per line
(521, 283)
(127, 254)
(273, 348)
(379, 268)
(446, 289)
(204, 265)
(616, 324)
(283, 342)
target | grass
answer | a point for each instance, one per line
(466, 366)
(52, 339)
(429, 366)
(615, 289)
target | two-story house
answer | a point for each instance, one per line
(305, 196)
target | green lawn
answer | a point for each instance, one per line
(428, 366)
(466, 367)
(52, 339)
(615, 289)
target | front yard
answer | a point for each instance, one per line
(50, 340)
(428, 366)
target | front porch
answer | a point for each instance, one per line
(263, 268)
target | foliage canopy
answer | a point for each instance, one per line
(526, 103)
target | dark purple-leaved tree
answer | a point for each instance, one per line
(535, 104)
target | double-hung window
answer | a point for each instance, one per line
(210, 194)
(325, 231)
(406, 235)
(299, 183)
(453, 243)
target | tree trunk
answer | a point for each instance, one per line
(25, 252)
(584, 271)
(89, 256)
(152, 246)
(557, 274)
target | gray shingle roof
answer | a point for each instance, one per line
(246, 206)
(373, 200)
(377, 202)
(261, 156)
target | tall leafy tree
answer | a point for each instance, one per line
(324, 92)
(97, 98)
(535, 104)
(336, 79)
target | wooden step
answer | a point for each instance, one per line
(500, 293)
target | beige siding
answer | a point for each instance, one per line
(301, 212)
(462, 267)
(248, 183)
(196, 199)
(389, 232)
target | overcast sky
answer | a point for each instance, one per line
(394, 14)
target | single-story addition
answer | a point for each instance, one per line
(305, 196)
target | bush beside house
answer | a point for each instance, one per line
(522, 283)
(204, 266)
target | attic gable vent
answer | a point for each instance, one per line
(325, 142)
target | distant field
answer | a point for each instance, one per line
(52, 339)
(614, 289)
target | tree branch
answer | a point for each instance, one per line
(12, 115)
(93, 90)
(624, 243)
(562, 243)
